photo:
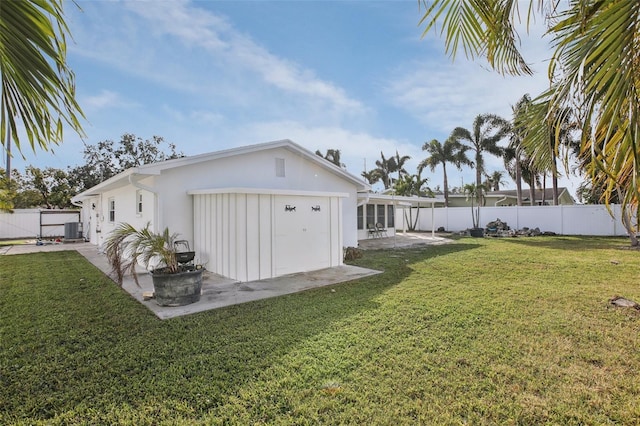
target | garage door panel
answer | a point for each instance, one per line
(302, 234)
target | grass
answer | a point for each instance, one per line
(511, 331)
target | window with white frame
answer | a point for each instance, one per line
(390, 217)
(139, 202)
(112, 209)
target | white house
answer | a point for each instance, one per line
(249, 213)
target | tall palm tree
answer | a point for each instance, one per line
(595, 67)
(487, 131)
(398, 164)
(451, 151)
(36, 84)
(385, 167)
(494, 180)
(514, 153)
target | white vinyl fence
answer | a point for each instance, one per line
(563, 220)
(33, 223)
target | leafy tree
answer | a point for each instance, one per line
(593, 71)
(107, 158)
(8, 191)
(36, 84)
(52, 185)
(487, 131)
(451, 151)
(333, 156)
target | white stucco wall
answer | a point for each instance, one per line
(171, 206)
(253, 170)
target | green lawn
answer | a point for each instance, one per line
(511, 331)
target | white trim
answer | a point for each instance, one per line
(266, 191)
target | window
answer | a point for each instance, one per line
(380, 218)
(279, 167)
(390, 217)
(360, 217)
(139, 202)
(371, 215)
(112, 210)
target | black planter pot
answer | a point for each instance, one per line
(476, 232)
(178, 289)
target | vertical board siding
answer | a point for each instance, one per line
(235, 234)
(266, 237)
(252, 252)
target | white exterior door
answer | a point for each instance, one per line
(302, 234)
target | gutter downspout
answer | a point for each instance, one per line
(156, 213)
(500, 200)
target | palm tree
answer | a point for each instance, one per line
(333, 156)
(513, 154)
(487, 131)
(494, 180)
(372, 176)
(37, 86)
(595, 64)
(384, 169)
(450, 152)
(398, 164)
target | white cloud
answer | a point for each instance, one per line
(201, 29)
(105, 99)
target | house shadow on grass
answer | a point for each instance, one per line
(79, 350)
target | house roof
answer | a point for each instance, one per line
(152, 169)
(372, 198)
(548, 193)
(513, 194)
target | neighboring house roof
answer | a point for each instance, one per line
(512, 194)
(548, 194)
(374, 198)
(127, 176)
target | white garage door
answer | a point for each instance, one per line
(302, 234)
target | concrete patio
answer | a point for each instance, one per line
(218, 291)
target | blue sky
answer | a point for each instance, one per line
(208, 75)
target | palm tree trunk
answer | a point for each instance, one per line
(544, 188)
(478, 179)
(445, 184)
(532, 190)
(518, 181)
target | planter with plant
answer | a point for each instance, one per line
(474, 193)
(174, 284)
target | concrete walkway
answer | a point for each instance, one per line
(219, 291)
(403, 240)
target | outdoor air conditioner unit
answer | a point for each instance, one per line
(73, 231)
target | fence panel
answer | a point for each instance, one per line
(22, 223)
(33, 223)
(564, 220)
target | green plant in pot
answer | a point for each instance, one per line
(174, 284)
(474, 193)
